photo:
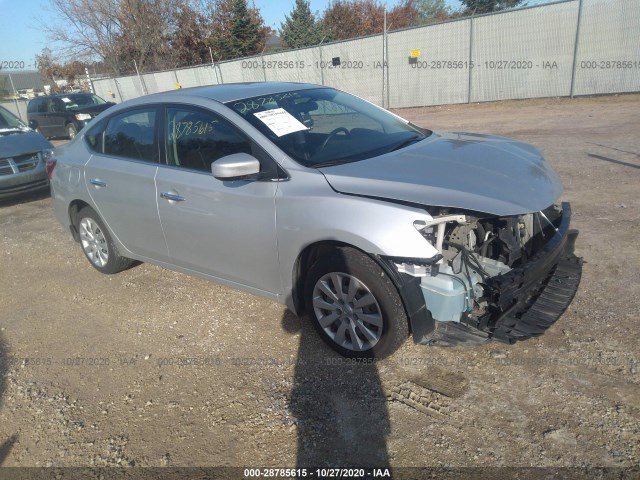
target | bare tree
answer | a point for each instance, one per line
(118, 32)
(146, 28)
(86, 29)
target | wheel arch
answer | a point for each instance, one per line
(405, 285)
(74, 208)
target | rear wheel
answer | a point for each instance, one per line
(354, 305)
(71, 131)
(98, 245)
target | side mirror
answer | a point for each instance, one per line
(33, 124)
(235, 167)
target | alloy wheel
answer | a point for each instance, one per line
(93, 242)
(347, 311)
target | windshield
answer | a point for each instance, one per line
(323, 126)
(9, 120)
(72, 101)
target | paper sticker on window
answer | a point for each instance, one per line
(65, 100)
(280, 121)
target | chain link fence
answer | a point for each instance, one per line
(578, 47)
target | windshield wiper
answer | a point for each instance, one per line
(407, 142)
(331, 163)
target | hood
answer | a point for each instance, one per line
(483, 173)
(19, 142)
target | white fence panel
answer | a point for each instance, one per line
(293, 66)
(609, 48)
(360, 70)
(163, 81)
(198, 76)
(524, 54)
(241, 71)
(439, 75)
(19, 109)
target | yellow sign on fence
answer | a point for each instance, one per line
(415, 53)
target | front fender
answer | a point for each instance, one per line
(309, 211)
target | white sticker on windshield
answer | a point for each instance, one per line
(65, 100)
(280, 121)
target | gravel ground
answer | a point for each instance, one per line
(154, 368)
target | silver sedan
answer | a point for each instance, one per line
(370, 227)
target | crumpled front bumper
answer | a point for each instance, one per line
(531, 298)
(525, 301)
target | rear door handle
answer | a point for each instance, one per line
(97, 182)
(172, 196)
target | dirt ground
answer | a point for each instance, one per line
(154, 368)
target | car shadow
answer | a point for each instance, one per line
(44, 192)
(5, 446)
(339, 404)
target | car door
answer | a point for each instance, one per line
(58, 116)
(226, 229)
(41, 116)
(120, 177)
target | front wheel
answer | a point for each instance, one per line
(98, 245)
(71, 131)
(355, 306)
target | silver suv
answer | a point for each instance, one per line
(373, 227)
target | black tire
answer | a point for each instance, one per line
(394, 328)
(108, 260)
(71, 131)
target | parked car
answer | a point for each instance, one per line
(23, 153)
(373, 227)
(64, 115)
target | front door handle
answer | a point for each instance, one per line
(172, 196)
(97, 182)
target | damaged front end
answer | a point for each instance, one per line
(508, 278)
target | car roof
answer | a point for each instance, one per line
(59, 95)
(229, 92)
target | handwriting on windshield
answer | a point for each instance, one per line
(178, 130)
(256, 103)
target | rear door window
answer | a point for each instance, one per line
(132, 135)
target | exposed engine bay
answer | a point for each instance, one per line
(466, 282)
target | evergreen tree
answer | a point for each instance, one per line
(300, 29)
(237, 30)
(245, 31)
(487, 6)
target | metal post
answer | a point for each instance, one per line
(215, 72)
(144, 88)
(15, 96)
(385, 65)
(86, 71)
(384, 53)
(213, 65)
(575, 50)
(264, 69)
(321, 68)
(115, 80)
(220, 70)
(470, 59)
